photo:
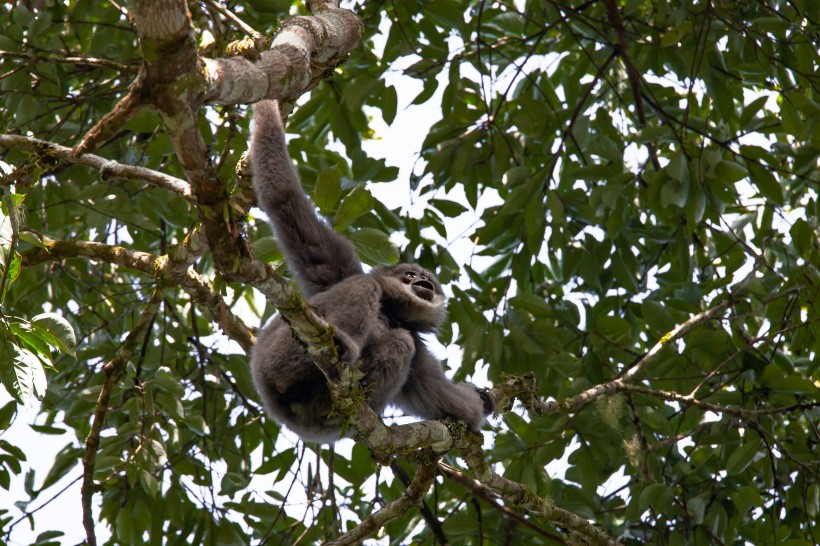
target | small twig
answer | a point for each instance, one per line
(677, 332)
(170, 270)
(80, 61)
(758, 258)
(257, 37)
(622, 48)
(694, 431)
(28, 513)
(706, 406)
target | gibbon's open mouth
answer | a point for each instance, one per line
(423, 289)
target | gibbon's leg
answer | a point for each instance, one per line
(352, 307)
(430, 395)
(316, 255)
(386, 365)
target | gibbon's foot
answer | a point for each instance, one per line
(488, 399)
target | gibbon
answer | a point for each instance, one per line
(378, 316)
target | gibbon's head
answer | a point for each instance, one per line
(411, 297)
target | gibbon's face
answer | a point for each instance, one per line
(420, 283)
(412, 295)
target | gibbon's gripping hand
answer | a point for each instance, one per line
(488, 399)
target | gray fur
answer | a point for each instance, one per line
(378, 316)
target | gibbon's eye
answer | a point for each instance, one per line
(409, 275)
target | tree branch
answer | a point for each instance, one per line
(578, 528)
(618, 384)
(622, 48)
(58, 59)
(124, 110)
(108, 168)
(171, 270)
(113, 370)
(303, 50)
(479, 490)
(429, 517)
(410, 497)
(257, 38)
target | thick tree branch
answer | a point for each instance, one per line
(385, 442)
(180, 82)
(302, 51)
(523, 387)
(172, 72)
(107, 167)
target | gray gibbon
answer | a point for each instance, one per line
(378, 316)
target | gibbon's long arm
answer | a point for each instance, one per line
(317, 256)
(428, 393)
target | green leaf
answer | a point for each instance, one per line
(15, 266)
(56, 331)
(535, 223)
(449, 208)
(696, 507)
(803, 237)
(766, 183)
(358, 202)
(656, 315)
(430, 86)
(390, 101)
(17, 371)
(38, 375)
(45, 429)
(149, 483)
(5, 237)
(742, 457)
(650, 494)
(266, 249)
(33, 239)
(674, 193)
(328, 189)
(6, 412)
(374, 246)
(525, 343)
(25, 111)
(813, 500)
(32, 339)
(730, 171)
(678, 168)
(532, 304)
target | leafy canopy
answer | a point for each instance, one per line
(627, 165)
